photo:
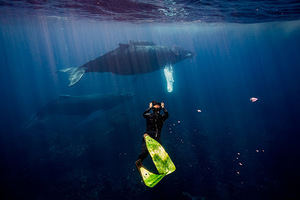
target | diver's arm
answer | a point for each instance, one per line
(166, 114)
(146, 113)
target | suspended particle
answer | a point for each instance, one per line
(253, 99)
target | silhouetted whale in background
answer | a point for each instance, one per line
(132, 58)
(78, 105)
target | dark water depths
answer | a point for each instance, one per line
(232, 149)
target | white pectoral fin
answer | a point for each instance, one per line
(75, 74)
(168, 72)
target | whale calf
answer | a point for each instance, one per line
(136, 57)
(78, 106)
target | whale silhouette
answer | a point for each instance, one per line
(136, 57)
(83, 106)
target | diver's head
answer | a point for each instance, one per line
(156, 107)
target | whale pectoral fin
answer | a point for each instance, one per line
(93, 117)
(168, 72)
(75, 74)
(33, 119)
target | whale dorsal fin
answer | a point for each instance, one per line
(146, 43)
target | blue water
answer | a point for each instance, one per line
(232, 149)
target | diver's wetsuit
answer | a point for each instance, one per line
(155, 123)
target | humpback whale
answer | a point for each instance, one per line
(136, 57)
(78, 106)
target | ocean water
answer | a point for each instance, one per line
(223, 145)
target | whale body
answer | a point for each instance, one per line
(84, 106)
(81, 105)
(132, 58)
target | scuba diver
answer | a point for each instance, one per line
(155, 122)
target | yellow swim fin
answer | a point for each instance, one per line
(150, 179)
(161, 160)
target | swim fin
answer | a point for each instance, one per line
(160, 157)
(150, 179)
(162, 162)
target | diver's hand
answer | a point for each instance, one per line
(162, 104)
(150, 105)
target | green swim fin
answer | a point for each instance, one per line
(150, 179)
(161, 160)
(160, 157)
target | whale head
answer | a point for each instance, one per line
(181, 54)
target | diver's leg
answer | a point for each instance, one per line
(157, 138)
(144, 152)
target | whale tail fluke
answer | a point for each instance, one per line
(75, 74)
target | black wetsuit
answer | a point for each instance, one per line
(155, 123)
